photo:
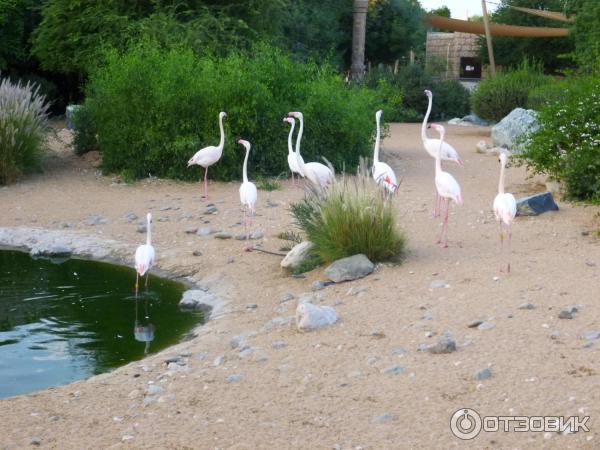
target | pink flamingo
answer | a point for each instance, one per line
(382, 173)
(505, 210)
(248, 194)
(144, 256)
(209, 155)
(447, 187)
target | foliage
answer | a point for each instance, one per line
(442, 11)
(567, 144)
(84, 139)
(510, 51)
(586, 33)
(394, 27)
(495, 97)
(352, 216)
(451, 99)
(17, 19)
(23, 122)
(267, 184)
(155, 108)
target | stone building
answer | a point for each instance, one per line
(453, 55)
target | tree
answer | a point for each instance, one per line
(586, 32)
(17, 20)
(511, 51)
(442, 11)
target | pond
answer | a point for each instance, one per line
(65, 320)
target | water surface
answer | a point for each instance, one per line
(64, 320)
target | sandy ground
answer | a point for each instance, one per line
(329, 388)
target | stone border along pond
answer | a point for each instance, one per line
(61, 244)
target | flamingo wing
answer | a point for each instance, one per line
(248, 194)
(144, 258)
(505, 208)
(383, 174)
(206, 156)
(448, 187)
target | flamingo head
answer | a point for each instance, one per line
(149, 217)
(289, 120)
(244, 143)
(428, 93)
(296, 114)
(378, 114)
(222, 114)
(503, 158)
(191, 161)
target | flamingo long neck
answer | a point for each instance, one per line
(148, 232)
(299, 138)
(425, 119)
(290, 136)
(438, 156)
(501, 182)
(222, 141)
(245, 169)
(377, 142)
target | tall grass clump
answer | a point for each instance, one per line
(496, 97)
(352, 216)
(153, 108)
(23, 123)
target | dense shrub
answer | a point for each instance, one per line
(567, 144)
(495, 97)
(84, 139)
(23, 122)
(351, 216)
(155, 108)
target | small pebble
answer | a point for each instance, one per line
(528, 306)
(234, 378)
(483, 374)
(384, 418)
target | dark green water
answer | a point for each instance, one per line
(62, 321)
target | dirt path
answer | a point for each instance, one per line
(337, 387)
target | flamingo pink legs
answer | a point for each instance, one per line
(206, 183)
(444, 232)
(502, 247)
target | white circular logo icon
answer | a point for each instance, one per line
(465, 424)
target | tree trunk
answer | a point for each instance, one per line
(359, 31)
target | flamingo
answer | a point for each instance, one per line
(294, 157)
(319, 174)
(144, 256)
(505, 210)
(447, 187)
(248, 193)
(432, 146)
(209, 155)
(382, 173)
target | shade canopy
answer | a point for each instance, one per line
(466, 26)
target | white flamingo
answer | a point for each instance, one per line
(319, 174)
(144, 256)
(248, 193)
(505, 210)
(382, 173)
(209, 155)
(293, 157)
(432, 146)
(447, 187)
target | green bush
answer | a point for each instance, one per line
(451, 99)
(495, 97)
(567, 144)
(351, 216)
(153, 109)
(23, 123)
(84, 139)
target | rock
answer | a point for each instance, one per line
(192, 230)
(197, 253)
(237, 341)
(393, 370)
(536, 204)
(148, 399)
(96, 219)
(257, 234)
(318, 285)
(446, 344)
(141, 228)
(483, 374)
(438, 284)
(153, 389)
(164, 219)
(35, 441)
(474, 323)
(204, 231)
(351, 268)
(201, 300)
(485, 326)
(210, 210)
(130, 216)
(528, 306)
(219, 360)
(384, 418)
(251, 306)
(482, 147)
(475, 120)
(279, 344)
(234, 378)
(591, 335)
(565, 314)
(298, 254)
(311, 317)
(166, 208)
(223, 235)
(246, 351)
(287, 297)
(56, 250)
(201, 356)
(272, 204)
(399, 351)
(513, 127)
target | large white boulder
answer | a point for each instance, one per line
(297, 255)
(509, 130)
(310, 317)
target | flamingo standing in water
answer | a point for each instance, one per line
(447, 187)
(144, 256)
(382, 173)
(209, 155)
(294, 158)
(248, 193)
(505, 210)
(432, 146)
(319, 174)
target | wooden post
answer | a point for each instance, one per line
(359, 30)
(488, 38)
(396, 65)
